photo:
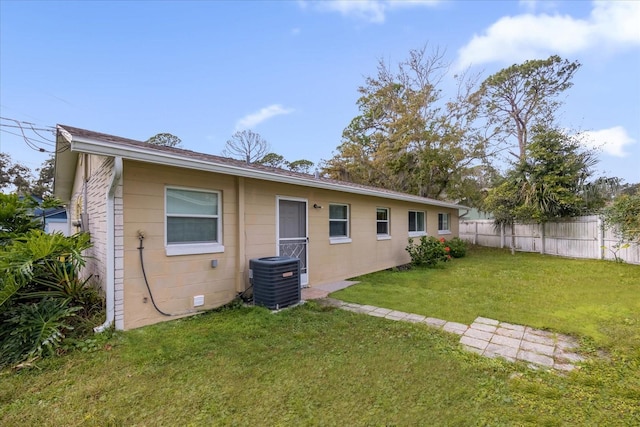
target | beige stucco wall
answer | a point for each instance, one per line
(174, 280)
(249, 231)
(333, 262)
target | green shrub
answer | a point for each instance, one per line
(458, 247)
(29, 331)
(429, 252)
(45, 302)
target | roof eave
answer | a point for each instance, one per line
(99, 147)
(66, 161)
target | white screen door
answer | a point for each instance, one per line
(292, 233)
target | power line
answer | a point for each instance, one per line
(34, 143)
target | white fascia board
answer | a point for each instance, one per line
(103, 148)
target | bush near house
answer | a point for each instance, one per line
(430, 252)
(45, 304)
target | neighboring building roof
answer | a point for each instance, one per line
(70, 141)
(58, 213)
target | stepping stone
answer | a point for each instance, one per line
(474, 343)
(396, 315)
(483, 327)
(511, 333)
(538, 359)
(505, 341)
(456, 328)
(415, 318)
(497, 350)
(486, 321)
(512, 327)
(547, 350)
(478, 334)
(437, 323)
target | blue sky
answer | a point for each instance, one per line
(290, 70)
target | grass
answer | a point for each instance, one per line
(579, 297)
(315, 365)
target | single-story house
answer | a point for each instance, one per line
(204, 217)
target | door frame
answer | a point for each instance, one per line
(304, 278)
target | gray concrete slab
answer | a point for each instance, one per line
(540, 339)
(436, 323)
(511, 333)
(456, 328)
(498, 350)
(501, 340)
(478, 334)
(537, 348)
(474, 342)
(538, 359)
(483, 327)
(486, 321)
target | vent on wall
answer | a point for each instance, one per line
(198, 300)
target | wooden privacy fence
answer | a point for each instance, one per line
(580, 237)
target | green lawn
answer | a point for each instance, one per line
(581, 297)
(322, 366)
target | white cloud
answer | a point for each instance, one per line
(254, 119)
(533, 5)
(373, 11)
(611, 141)
(528, 36)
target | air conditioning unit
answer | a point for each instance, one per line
(276, 281)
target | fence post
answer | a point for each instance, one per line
(502, 235)
(475, 235)
(542, 238)
(600, 226)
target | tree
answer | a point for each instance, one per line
(274, 160)
(43, 186)
(624, 216)
(246, 145)
(302, 166)
(550, 183)
(517, 98)
(165, 140)
(408, 137)
(14, 174)
(5, 165)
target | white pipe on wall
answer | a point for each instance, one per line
(116, 174)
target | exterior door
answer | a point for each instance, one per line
(292, 233)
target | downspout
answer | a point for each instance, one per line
(116, 174)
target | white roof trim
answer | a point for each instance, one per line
(104, 148)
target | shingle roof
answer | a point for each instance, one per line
(88, 135)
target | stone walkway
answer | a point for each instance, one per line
(487, 337)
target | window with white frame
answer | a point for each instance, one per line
(382, 222)
(417, 224)
(338, 222)
(444, 220)
(193, 223)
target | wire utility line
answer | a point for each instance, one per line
(35, 143)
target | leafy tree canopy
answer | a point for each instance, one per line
(551, 182)
(408, 137)
(302, 166)
(624, 216)
(165, 140)
(274, 160)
